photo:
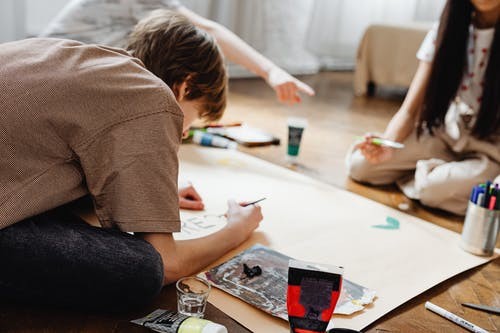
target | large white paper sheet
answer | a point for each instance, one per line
(397, 255)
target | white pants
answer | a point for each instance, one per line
(432, 170)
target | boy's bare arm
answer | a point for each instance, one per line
(183, 258)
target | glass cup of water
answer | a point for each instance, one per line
(192, 295)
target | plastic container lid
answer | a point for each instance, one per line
(214, 328)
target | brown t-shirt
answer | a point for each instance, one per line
(78, 119)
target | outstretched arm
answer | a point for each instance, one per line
(287, 87)
(403, 122)
(183, 258)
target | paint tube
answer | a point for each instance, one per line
(165, 321)
(296, 127)
(210, 140)
(313, 291)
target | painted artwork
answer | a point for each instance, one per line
(391, 224)
(267, 290)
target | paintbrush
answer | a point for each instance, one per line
(246, 205)
(253, 202)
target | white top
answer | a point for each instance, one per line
(105, 22)
(478, 49)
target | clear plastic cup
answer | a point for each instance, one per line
(192, 295)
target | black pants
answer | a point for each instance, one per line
(57, 259)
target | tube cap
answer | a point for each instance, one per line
(291, 159)
(232, 145)
(214, 328)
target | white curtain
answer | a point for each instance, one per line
(336, 26)
(276, 28)
(12, 23)
(305, 35)
(301, 36)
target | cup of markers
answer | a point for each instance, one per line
(482, 220)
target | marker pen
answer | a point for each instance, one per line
(481, 200)
(454, 318)
(492, 204)
(210, 140)
(387, 143)
(383, 142)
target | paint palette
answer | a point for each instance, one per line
(267, 291)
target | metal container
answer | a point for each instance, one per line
(480, 231)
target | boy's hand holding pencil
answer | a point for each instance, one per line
(243, 219)
(377, 149)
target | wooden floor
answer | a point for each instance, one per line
(335, 118)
